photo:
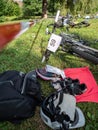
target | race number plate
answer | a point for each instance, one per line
(54, 42)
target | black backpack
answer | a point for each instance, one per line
(20, 93)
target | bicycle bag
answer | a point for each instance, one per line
(20, 93)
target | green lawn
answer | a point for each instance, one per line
(25, 54)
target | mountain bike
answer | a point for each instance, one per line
(66, 21)
(69, 43)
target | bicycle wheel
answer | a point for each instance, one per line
(71, 38)
(85, 55)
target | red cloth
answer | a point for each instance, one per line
(85, 76)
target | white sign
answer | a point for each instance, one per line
(54, 42)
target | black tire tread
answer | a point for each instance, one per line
(85, 55)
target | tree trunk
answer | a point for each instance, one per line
(44, 9)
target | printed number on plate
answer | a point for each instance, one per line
(54, 42)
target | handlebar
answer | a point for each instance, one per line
(54, 25)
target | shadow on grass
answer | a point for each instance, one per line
(18, 60)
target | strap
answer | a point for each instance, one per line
(51, 99)
(64, 120)
(54, 109)
(7, 81)
(53, 105)
(60, 98)
(31, 75)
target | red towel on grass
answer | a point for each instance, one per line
(85, 76)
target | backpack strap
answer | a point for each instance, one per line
(65, 122)
(62, 117)
(7, 81)
(31, 75)
(53, 105)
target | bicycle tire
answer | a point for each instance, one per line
(85, 55)
(73, 38)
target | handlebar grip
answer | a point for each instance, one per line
(57, 16)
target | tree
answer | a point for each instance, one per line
(44, 9)
(67, 6)
(86, 6)
(53, 6)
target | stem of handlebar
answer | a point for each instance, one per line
(57, 16)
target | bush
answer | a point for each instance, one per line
(32, 8)
(2, 19)
(12, 9)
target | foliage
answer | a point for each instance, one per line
(2, 19)
(2, 7)
(32, 7)
(11, 9)
(53, 6)
(74, 6)
(86, 6)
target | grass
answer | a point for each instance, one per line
(25, 54)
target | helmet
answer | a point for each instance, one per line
(59, 112)
(50, 73)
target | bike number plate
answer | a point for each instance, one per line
(54, 42)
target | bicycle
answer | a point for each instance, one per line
(66, 21)
(70, 44)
